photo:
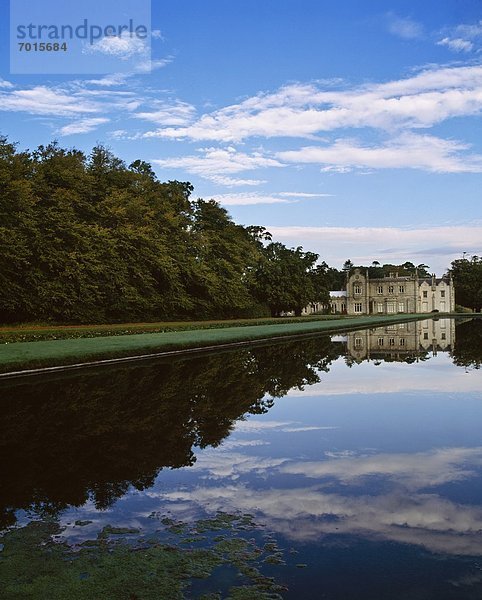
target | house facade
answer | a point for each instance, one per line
(393, 294)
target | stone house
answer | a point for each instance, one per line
(392, 294)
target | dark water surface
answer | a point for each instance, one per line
(361, 454)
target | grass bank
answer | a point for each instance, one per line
(29, 355)
(31, 332)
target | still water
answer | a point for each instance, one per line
(360, 454)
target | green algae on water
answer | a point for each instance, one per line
(33, 566)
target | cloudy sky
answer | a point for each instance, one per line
(350, 128)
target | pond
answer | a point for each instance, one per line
(355, 460)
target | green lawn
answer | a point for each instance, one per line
(31, 332)
(20, 355)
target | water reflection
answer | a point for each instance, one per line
(92, 435)
(402, 341)
(368, 451)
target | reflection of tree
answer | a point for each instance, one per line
(93, 434)
(467, 351)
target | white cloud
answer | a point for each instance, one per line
(395, 243)
(404, 27)
(463, 37)
(5, 84)
(109, 80)
(303, 195)
(123, 46)
(456, 44)
(232, 182)
(304, 110)
(157, 34)
(407, 151)
(82, 126)
(42, 100)
(246, 199)
(176, 114)
(213, 163)
(471, 31)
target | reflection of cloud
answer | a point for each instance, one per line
(405, 514)
(254, 425)
(301, 428)
(413, 471)
(401, 377)
(229, 444)
(306, 514)
(232, 465)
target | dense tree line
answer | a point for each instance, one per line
(90, 239)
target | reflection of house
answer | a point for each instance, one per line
(401, 340)
(393, 294)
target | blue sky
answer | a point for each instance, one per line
(350, 128)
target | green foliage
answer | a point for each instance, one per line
(89, 239)
(467, 275)
(286, 279)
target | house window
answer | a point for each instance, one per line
(443, 336)
(380, 307)
(401, 307)
(390, 307)
(343, 307)
(357, 288)
(401, 289)
(425, 336)
(380, 289)
(390, 289)
(402, 341)
(358, 342)
(442, 293)
(380, 341)
(425, 294)
(391, 342)
(358, 307)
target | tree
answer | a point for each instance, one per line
(284, 279)
(422, 270)
(467, 276)
(347, 266)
